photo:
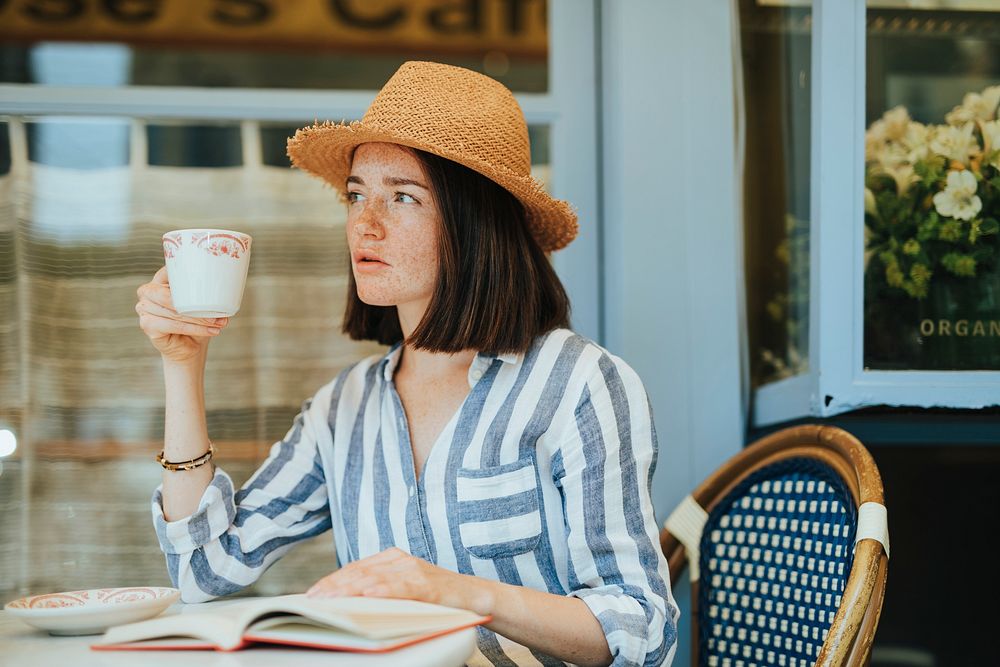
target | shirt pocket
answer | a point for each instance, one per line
(498, 509)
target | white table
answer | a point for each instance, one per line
(21, 644)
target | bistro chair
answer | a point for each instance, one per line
(787, 546)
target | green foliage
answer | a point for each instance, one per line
(912, 245)
(959, 264)
(931, 170)
(989, 226)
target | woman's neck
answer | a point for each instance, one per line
(416, 363)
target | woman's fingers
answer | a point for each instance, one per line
(344, 586)
(145, 305)
(382, 574)
(326, 584)
(155, 292)
(157, 289)
(336, 580)
(156, 324)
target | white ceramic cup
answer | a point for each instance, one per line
(207, 270)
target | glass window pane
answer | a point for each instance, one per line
(82, 388)
(274, 140)
(932, 187)
(776, 46)
(187, 145)
(315, 44)
(4, 149)
(93, 143)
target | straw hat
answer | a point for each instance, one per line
(451, 112)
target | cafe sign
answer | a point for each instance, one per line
(515, 27)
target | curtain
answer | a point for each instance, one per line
(80, 384)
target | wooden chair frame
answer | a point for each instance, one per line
(850, 637)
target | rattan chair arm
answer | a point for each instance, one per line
(836, 447)
(675, 554)
(862, 588)
(866, 635)
(869, 479)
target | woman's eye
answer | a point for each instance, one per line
(354, 196)
(405, 198)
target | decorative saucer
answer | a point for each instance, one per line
(91, 612)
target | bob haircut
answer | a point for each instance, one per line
(496, 290)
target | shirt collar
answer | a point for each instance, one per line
(388, 363)
(391, 360)
(507, 358)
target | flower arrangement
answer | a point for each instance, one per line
(932, 195)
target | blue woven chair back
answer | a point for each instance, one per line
(775, 556)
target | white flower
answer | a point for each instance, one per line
(892, 154)
(877, 130)
(959, 116)
(882, 139)
(959, 199)
(896, 121)
(874, 147)
(991, 140)
(975, 106)
(904, 176)
(903, 173)
(991, 96)
(955, 143)
(915, 141)
(991, 135)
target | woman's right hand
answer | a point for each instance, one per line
(178, 338)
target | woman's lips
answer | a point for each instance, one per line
(367, 260)
(369, 266)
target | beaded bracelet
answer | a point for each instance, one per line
(187, 465)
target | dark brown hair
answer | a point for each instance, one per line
(496, 290)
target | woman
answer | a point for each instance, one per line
(492, 460)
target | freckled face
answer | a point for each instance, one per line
(393, 226)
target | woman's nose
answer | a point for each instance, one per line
(369, 221)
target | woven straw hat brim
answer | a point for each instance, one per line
(325, 150)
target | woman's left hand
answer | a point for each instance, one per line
(394, 573)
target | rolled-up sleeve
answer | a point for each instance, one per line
(605, 466)
(233, 537)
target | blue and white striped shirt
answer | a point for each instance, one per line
(541, 479)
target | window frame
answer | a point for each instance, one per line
(830, 386)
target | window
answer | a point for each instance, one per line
(776, 45)
(892, 283)
(932, 195)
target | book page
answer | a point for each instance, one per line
(222, 628)
(372, 618)
(304, 631)
(364, 618)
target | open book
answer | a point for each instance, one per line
(341, 624)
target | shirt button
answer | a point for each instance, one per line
(477, 374)
(411, 491)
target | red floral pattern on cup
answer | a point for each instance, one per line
(219, 244)
(170, 243)
(223, 244)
